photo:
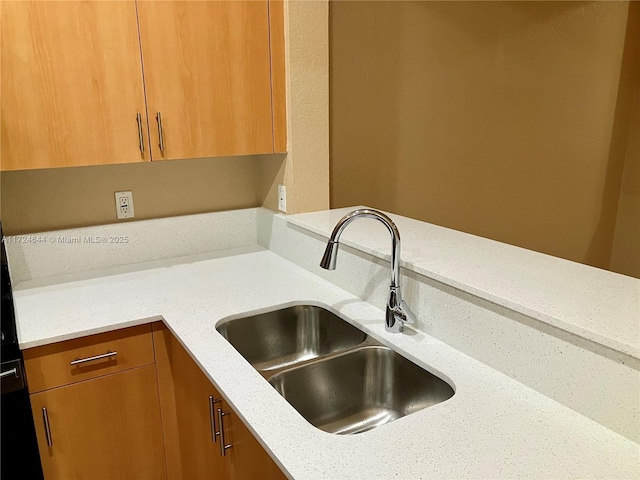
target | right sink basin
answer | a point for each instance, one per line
(359, 390)
(336, 376)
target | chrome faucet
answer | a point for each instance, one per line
(396, 316)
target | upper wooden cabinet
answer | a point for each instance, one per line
(75, 75)
(71, 84)
(207, 72)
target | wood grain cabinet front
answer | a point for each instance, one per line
(89, 357)
(71, 82)
(96, 407)
(132, 404)
(248, 460)
(208, 77)
(197, 421)
(106, 428)
(75, 91)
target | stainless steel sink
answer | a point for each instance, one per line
(356, 391)
(274, 340)
(336, 376)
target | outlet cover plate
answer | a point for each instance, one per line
(124, 205)
(282, 198)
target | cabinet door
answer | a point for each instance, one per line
(207, 72)
(106, 428)
(249, 461)
(186, 412)
(71, 84)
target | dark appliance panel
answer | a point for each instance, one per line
(19, 456)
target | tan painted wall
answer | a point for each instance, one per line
(508, 120)
(625, 254)
(40, 200)
(305, 169)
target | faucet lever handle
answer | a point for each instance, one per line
(407, 316)
(399, 314)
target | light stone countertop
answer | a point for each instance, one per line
(493, 427)
(595, 304)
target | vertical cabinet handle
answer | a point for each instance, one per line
(212, 418)
(47, 429)
(160, 135)
(223, 447)
(140, 137)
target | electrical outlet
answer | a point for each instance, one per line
(124, 204)
(282, 198)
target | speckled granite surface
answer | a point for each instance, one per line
(493, 427)
(596, 304)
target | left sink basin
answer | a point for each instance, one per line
(273, 340)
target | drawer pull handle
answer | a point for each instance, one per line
(13, 372)
(223, 447)
(96, 357)
(140, 136)
(212, 418)
(47, 430)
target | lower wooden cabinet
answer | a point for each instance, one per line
(248, 459)
(105, 428)
(133, 405)
(190, 416)
(186, 395)
(96, 407)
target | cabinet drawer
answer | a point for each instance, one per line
(83, 358)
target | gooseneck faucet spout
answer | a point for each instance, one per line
(395, 315)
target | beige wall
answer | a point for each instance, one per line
(40, 200)
(625, 255)
(508, 120)
(305, 168)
